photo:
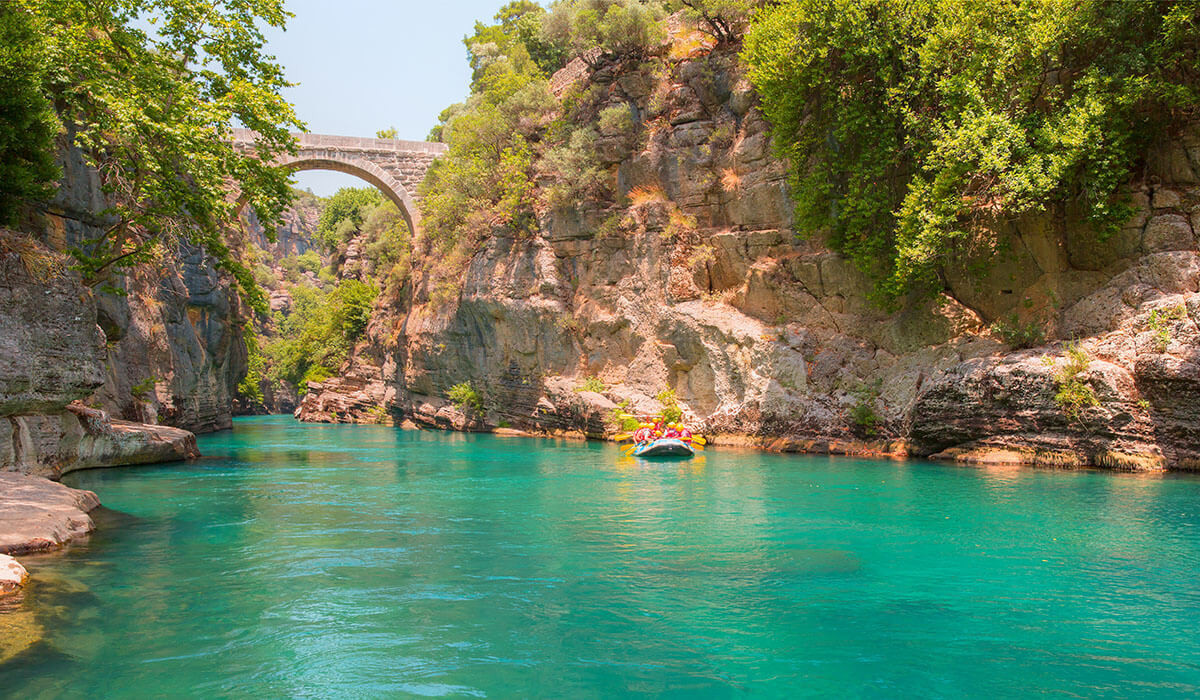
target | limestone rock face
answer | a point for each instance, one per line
(79, 437)
(179, 353)
(172, 349)
(50, 347)
(770, 338)
(37, 514)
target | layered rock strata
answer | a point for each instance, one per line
(51, 356)
(173, 351)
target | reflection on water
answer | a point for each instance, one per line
(364, 561)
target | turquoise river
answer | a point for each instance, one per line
(362, 561)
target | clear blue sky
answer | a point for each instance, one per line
(365, 65)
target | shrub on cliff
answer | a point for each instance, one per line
(486, 180)
(311, 342)
(912, 128)
(345, 213)
(725, 20)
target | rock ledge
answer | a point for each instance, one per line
(37, 514)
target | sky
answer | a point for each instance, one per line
(364, 65)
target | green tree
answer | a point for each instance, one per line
(152, 111)
(913, 129)
(388, 133)
(726, 20)
(27, 122)
(345, 212)
(620, 29)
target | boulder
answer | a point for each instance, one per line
(12, 575)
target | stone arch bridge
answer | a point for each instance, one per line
(395, 167)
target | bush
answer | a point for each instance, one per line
(27, 122)
(862, 414)
(617, 120)
(575, 171)
(466, 397)
(622, 419)
(309, 261)
(1161, 322)
(1018, 335)
(1074, 396)
(910, 128)
(592, 384)
(350, 305)
(725, 20)
(670, 412)
(620, 29)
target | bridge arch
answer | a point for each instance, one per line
(392, 166)
(366, 171)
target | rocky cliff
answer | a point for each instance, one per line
(693, 278)
(173, 351)
(52, 356)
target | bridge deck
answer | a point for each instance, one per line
(352, 143)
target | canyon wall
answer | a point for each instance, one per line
(173, 351)
(51, 358)
(121, 374)
(693, 278)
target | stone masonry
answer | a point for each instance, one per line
(395, 167)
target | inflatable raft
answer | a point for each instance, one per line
(664, 447)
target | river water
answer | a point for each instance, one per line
(362, 561)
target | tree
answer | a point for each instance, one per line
(388, 133)
(149, 90)
(27, 123)
(348, 205)
(913, 129)
(725, 20)
(620, 29)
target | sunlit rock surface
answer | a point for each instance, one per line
(37, 514)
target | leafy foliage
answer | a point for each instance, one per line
(1019, 334)
(670, 412)
(466, 397)
(27, 122)
(311, 342)
(148, 89)
(863, 415)
(1161, 322)
(250, 388)
(622, 419)
(725, 20)
(593, 384)
(1074, 395)
(345, 213)
(621, 29)
(912, 127)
